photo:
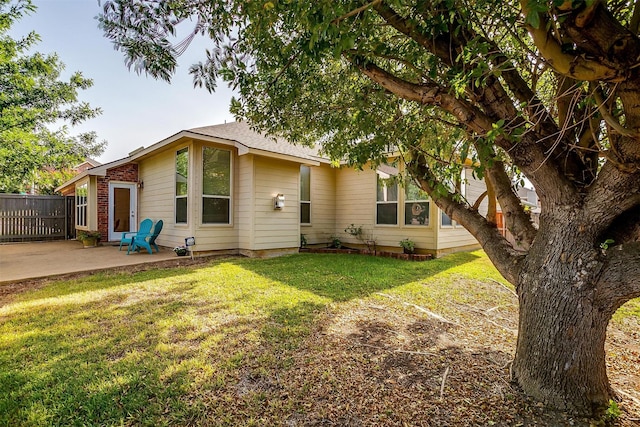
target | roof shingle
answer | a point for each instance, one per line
(240, 132)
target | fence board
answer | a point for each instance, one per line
(33, 218)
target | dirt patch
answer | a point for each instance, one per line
(375, 365)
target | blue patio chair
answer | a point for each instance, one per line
(127, 237)
(149, 240)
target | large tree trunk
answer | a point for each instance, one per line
(560, 357)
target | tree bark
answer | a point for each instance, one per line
(560, 357)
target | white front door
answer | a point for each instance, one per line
(122, 209)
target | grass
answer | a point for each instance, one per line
(215, 344)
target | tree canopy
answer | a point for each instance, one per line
(33, 101)
(546, 89)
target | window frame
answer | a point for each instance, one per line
(463, 193)
(82, 206)
(175, 183)
(386, 202)
(442, 224)
(406, 201)
(305, 202)
(204, 196)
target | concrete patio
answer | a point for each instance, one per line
(25, 261)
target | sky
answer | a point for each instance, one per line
(136, 110)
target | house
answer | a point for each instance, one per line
(86, 164)
(236, 191)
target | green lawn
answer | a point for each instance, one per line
(215, 344)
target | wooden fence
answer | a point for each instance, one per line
(26, 218)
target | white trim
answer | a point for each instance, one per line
(300, 201)
(85, 216)
(216, 196)
(453, 223)
(386, 202)
(242, 148)
(96, 171)
(133, 208)
(175, 173)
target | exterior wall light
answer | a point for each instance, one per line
(278, 201)
(189, 242)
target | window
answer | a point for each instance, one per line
(216, 186)
(416, 205)
(305, 194)
(387, 196)
(82, 192)
(182, 176)
(445, 220)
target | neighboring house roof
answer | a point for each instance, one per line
(87, 164)
(95, 171)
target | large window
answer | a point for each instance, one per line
(216, 186)
(82, 192)
(387, 196)
(305, 194)
(182, 178)
(416, 205)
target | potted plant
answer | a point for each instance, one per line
(408, 246)
(89, 238)
(180, 250)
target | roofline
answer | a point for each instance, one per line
(92, 162)
(280, 156)
(242, 149)
(94, 171)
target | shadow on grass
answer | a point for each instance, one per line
(176, 346)
(86, 364)
(343, 277)
(112, 349)
(102, 280)
(119, 359)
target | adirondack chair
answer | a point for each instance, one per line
(149, 240)
(127, 237)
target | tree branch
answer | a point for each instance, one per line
(506, 260)
(613, 193)
(523, 92)
(517, 220)
(529, 152)
(439, 45)
(355, 11)
(625, 228)
(574, 66)
(426, 94)
(634, 25)
(608, 118)
(491, 95)
(525, 152)
(620, 278)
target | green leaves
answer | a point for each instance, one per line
(32, 100)
(535, 10)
